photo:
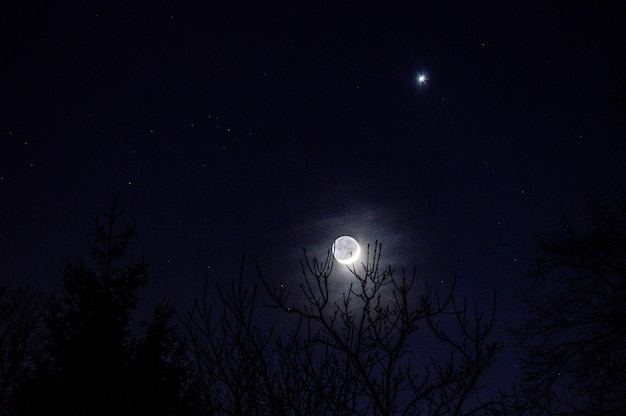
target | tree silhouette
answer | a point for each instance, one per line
(159, 375)
(574, 341)
(92, 364)
(21, 319)
(358, 352)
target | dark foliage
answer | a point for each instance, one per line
(159, 374)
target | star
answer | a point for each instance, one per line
(421, 79)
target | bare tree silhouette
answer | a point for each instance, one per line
(574, 341)
(21, 324)
(350, 353)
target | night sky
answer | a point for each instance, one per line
(268, 127)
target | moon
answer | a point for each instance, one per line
(346, 249)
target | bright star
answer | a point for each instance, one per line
(421, 79)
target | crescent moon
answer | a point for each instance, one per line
(346, 249)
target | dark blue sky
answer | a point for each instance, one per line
(268, 127)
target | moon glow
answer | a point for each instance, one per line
(346, 249)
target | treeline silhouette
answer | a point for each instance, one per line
(73, 352)
(357, 351)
